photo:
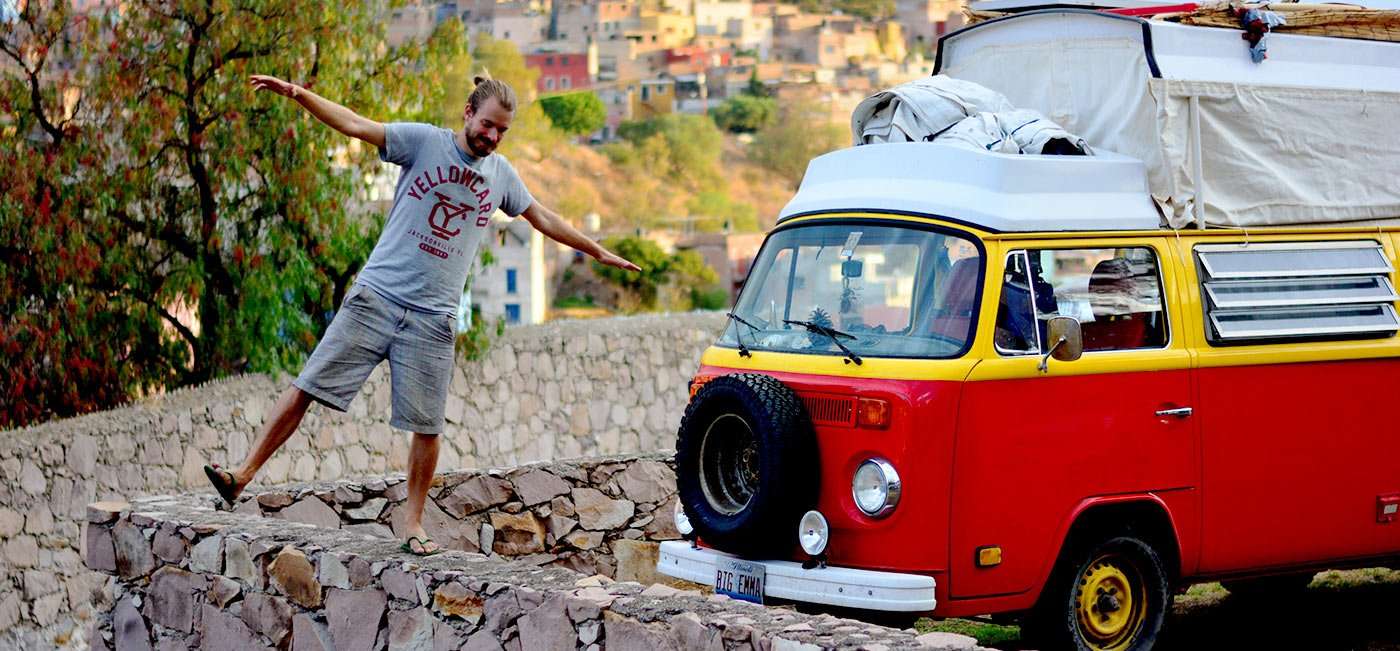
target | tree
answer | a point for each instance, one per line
(161, 224)
(801, 133)
(682, 281)
(693, 147)
(576, 114)
(745, 113)
(644, 284)
(755, 87)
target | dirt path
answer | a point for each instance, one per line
(1355, 610)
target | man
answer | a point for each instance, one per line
(403, 304)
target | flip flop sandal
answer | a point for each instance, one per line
(407, 547)
(223, 482)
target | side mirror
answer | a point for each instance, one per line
(1066, 341)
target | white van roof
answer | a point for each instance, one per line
(990, 191)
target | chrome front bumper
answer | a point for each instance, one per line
(834, 586)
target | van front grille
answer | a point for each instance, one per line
(826, 409)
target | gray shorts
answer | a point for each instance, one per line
(369, 328)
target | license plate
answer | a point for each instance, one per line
(740, 579)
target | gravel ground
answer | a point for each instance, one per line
(1355, 610)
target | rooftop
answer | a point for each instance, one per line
(990, 191)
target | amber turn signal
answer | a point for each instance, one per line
(989, 556)
(697, 382)
(873, 413)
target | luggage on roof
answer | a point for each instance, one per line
(1306, 136)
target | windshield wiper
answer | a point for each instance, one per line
(833, 333)
(743, 350)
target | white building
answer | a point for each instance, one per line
(513, 286)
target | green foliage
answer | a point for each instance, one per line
(716, 212)
(149, 189)
(868, 9)
(687, 147)
(576, 114)
(573, 301)
(801, 132)
(745, 113)
(755, 87)
(684, 279)
(473, 343)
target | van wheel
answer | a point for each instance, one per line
(746, 465)
(1268, 587)
(1112, 597)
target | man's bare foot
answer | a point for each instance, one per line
(419, 544)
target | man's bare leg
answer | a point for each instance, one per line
(422, 462)
(286, 414)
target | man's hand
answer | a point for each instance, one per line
(613, 260)
(265, 82)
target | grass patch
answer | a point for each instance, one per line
(986, 634)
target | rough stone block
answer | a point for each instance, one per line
(169, 545)
(221, 630)
(312, 511)
(370, 510)
(331, 572)
(222, 590)
(268, 615)
(170, 598)
(208, 555)
(538, 486)
(402, 585)
(294, 576)
(354, 617)
(647, 481)
(939, 641)
(547, 626)
(455, 600)
(238, 563)
(100, 555)
(310, 635)
(476, 494)
(517, 534)
(275, 499)
(636, 561)
(129, 629)
(628, 635)
(411, 630)
(133, 551)
(598, 512)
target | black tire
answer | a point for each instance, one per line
(1060, 621)
(746, 465)
(1269, 588)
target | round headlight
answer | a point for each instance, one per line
(813, 533)
(682, 521)
(875, 488)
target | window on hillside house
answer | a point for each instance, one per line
(510, 281)
(512, 313)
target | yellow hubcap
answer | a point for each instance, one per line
(1110, 603)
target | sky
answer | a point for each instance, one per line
(8, 11)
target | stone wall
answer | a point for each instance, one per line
(557, 390)
(188, 576)
(580, 514)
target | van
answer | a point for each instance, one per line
(960, 382)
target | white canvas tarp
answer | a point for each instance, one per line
(1274, 153)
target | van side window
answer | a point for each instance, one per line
(1116, 294)
(1272, 291)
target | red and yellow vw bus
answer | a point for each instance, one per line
(958, 383)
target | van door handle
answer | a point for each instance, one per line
(1179, 412)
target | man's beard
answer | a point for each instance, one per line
(480, 147)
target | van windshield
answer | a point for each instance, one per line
(898, 292)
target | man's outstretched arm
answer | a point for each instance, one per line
(333, 115)
(558, 229)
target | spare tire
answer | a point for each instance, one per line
(747, 465)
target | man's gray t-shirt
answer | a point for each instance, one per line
(442, 206)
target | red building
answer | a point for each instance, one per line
(560, 71)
